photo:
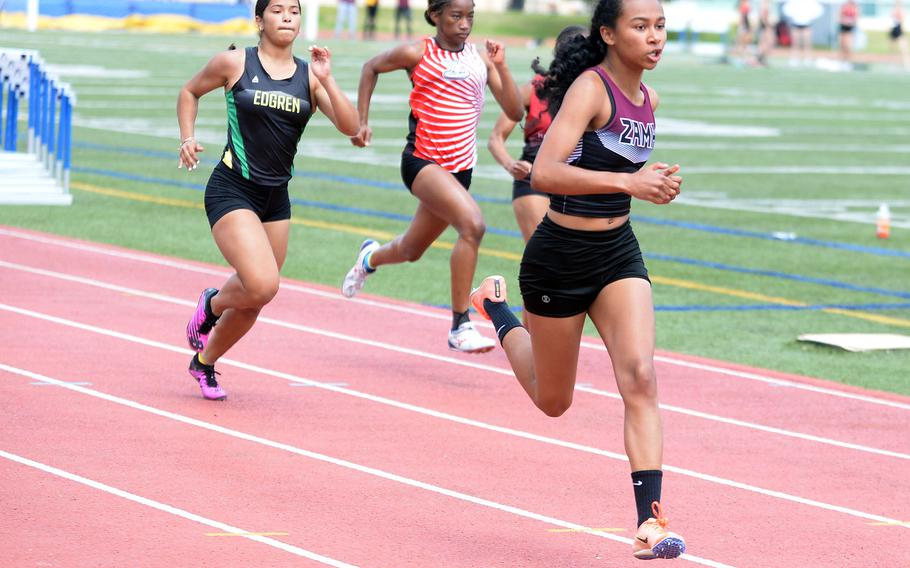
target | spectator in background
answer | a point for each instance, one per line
(403, 12)
(801, 14)
(369, 24)
(849, 14)
(346, 11)
(744, 29)
(897, 34)
(765, 32)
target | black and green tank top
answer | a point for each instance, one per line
(265, 121)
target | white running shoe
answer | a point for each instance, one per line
(467, 340)
(357, 275)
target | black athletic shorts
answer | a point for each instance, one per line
(411, 166)
(846, 28)
(896, 32)
(563, 270)
(228, 191)
(522, 187)
(745, 23)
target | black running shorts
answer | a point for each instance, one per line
(563, 270)
(228, 191)
(411, 166)
(522, 187)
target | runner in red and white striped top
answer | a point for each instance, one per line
(446, 103)
(449, 77)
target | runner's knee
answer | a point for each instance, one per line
(260, 290)
(472, 230)
(638, 383)
(554, 405)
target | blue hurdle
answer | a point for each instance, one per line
(50, 113)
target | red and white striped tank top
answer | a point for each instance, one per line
(446, 102)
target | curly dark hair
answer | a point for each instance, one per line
(565, 35)
(577, 54)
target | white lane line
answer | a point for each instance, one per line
(763, 428)
(443, 415)
(339, 462)
(451, 360)
(168, 508)
(150, 259)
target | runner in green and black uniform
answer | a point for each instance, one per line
(271, 96)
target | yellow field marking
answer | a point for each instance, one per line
(869, 317)
(607, 530)
(776, 300)
(136, 196)
(196, 205)
(725, 291)
(248, 534)
(362, 231)
(891, 524)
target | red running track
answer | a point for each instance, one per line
(352, 436)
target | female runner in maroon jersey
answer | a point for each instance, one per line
(583, 259)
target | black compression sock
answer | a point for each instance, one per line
(459, 318)
(503, 319)
(646, 485)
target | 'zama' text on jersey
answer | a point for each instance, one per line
(623, 145)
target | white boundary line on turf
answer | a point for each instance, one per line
(452, 360)
(150, 259)
(802, 170)
(337, 461)
(772, 147)
(378, 158)
(442, 415)
(163, 506)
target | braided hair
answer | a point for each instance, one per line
(577, 54)
(565, 35)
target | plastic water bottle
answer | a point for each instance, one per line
(883, 222)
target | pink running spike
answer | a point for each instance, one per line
(200, 325)
(205, 376)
